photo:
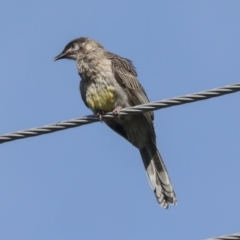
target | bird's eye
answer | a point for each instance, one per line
(75, 46)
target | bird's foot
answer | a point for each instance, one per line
(100, 114)
(117, 110)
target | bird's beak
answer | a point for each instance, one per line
(60, 56)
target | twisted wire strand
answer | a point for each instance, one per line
(235, 236)
(216, 92)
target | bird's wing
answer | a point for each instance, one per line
(126, 76)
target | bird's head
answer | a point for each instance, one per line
(78, 47)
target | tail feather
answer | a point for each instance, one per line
(158, 176)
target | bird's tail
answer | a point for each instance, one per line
(158, 175)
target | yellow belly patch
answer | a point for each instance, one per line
(101, 98)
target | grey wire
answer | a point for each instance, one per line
(125, 111)
(235, 236)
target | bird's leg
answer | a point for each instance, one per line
(117, 110)
(100, 114)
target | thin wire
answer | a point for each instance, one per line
(235, 236)
(216, 92)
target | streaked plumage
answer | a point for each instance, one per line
(109, 81)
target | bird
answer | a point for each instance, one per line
(109, 83)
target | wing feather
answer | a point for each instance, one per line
(126, 75)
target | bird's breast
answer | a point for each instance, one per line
(100, 95)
